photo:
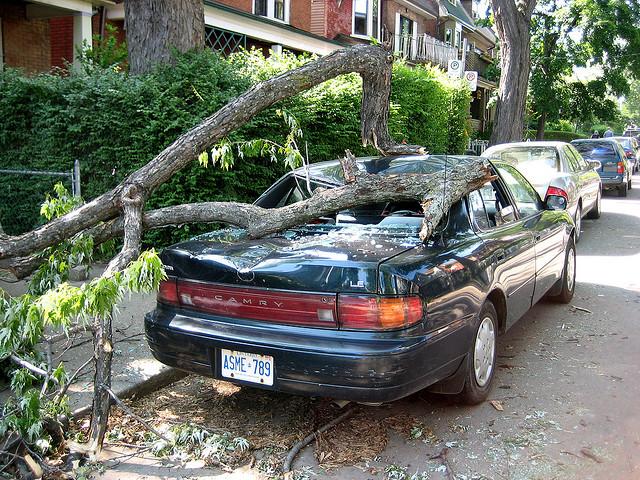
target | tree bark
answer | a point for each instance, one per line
(155, 28)
(367, 60)
(103, 355)
(512, 21)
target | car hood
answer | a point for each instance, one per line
(329, 258)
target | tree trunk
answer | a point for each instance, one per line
(103, 354)
(542, 120)
(512, 24)
(154, 28)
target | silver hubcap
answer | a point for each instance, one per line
(571, 269)
(578, 221)
(484, 351)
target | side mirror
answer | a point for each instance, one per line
(556, 202)
(595, 164)
(505, 215)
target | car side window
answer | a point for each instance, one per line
(574, 166)
(489, 207)
(479, 212)
(525, 196)
(581, 161)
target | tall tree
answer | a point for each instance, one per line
(155, 28)
(550, 63)
(585, 33)
(631, 106)
(512, 19)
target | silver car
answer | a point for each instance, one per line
(556, 168)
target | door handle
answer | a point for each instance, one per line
(500, 255)
(537, 237)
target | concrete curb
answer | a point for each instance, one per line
(145, 387)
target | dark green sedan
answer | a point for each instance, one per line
(355, 306)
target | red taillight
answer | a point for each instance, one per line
(312, 309)
(629, 153)
(364, 312)
(168, 292)
(558, 192)
(620, 167)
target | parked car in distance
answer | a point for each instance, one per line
(631, 148)
(614, 171)
(356, 306)
(632, 132)
(556, 168)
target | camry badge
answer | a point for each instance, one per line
(246, 275)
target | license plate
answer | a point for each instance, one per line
(610, 167)
(249, 367)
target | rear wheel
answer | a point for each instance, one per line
(481, 359)
(568, 278)
(578, 222)
(596, 210)
(622, 190)
(629, 183)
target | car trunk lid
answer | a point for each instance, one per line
(315, 258)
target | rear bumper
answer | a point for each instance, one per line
(612, 182)
(356, 366)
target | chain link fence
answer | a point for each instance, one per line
(22, 192)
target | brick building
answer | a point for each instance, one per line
(36, 35)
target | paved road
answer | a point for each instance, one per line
(567, 380)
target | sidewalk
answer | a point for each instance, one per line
(134, 369)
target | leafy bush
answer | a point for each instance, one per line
(554, 135)
(114, 123)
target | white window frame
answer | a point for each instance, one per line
(398, 33)
(370, 26)
(271, 10)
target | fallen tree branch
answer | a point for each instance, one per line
(286, 468)
(132, 414)
(372, 62)
(32, 368)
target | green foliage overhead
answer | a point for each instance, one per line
(114, 124)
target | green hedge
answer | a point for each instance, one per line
(554, 135)
(114, 123)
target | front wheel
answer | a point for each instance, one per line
(568, 278)
(481, 359)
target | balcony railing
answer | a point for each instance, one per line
(475, 61)
(424, 48)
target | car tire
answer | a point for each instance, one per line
(481, 359)
(622, 190)
(568, 278)
(596, 210)
(577, 220)
(629, 183)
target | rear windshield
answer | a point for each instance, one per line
(597, 151)
(535, 163)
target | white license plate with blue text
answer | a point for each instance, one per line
(249, 367)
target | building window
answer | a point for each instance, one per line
(458, 35)
(360, 17)
(406, 26)
(448, 34)
(276, 9)
(366, 18)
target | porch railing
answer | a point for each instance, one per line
(424, 48)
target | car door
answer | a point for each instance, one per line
(548, 234)
(589, 179)
(509, 244)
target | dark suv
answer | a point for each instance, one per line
(615, 170)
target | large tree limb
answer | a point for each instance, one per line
(372, 62)
(436, 191)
